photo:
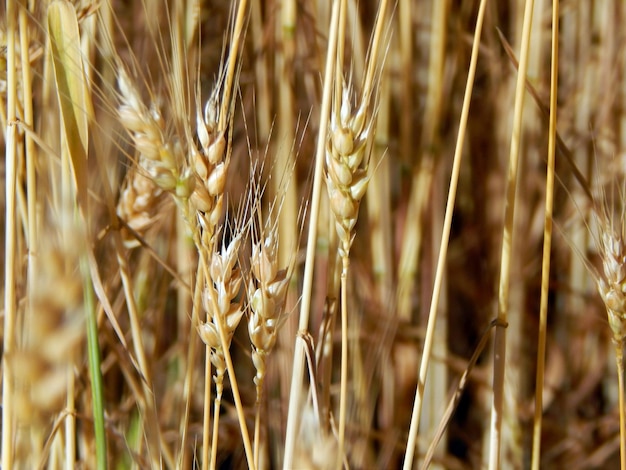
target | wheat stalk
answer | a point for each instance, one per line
(10, 238)
(547, 243)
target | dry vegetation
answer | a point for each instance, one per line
(240, 234)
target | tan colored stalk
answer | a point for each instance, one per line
(188, 379)
(232, 66)
(413, 233)
(350, 139)
(31, 195)
(422, 195)
(547, 242)
(505, 258)
(445, 237)
(262, 94)
(619, 362)
(10, 313)
(288, 192)
(303, 322)
(341, 99)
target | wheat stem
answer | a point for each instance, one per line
(216, 421)
(303, 323)
(547, 243)
(188, 380)
(10, 239)
(343, 394)
(97, 386)
(257, 433)
(206, 420)
(505, 258)
(445, 237)
(619, 361)
(237, 40)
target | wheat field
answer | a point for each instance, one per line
(313, 234)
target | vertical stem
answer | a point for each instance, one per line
(232, 63)
(10, 240)
(206, 420)
(505, 259)
(547, 242)
(70, 420)
(343, 395)
(191, 359)
(257, 433)
(97, 385)
(303, 324)
(216, 427)
(619, 360)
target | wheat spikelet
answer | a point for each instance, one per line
(137, 204)
(266, 297)
(612, 285)
(346, 171)
(222, 308)
(210, 164)
(160, 158)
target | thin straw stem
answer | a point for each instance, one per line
(505, 258)
(343, 394)
(303, 324)
(10, 239)
(445, 236)
(232, 63)
(547, 242)
(619, 361)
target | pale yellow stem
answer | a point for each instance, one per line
(445, 237)
(505, 258)
(303, 324)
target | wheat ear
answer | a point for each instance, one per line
(347, 178)
(266, 297)
(612, 288)
(223, 315)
